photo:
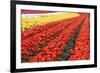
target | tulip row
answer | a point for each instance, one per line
(82, 44)
(29, 22)
(70, 45)
(54, 49)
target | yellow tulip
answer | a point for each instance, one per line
(28, 22)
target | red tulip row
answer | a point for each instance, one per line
(82, 44)
(54, 49)
(46, 36)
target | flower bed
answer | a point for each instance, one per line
(54, 41)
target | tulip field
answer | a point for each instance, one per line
(54, 36)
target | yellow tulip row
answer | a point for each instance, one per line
(32, 21)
